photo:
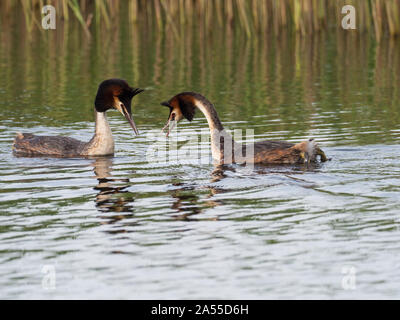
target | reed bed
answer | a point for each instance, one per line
(251, 16)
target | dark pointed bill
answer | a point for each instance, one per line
(128, 117)
(171, 125)
(166, 104)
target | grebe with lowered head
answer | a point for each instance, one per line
(184, 105)
(111, 94)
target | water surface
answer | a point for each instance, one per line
(125, 227)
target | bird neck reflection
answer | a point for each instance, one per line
(111, 197)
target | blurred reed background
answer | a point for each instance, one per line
(252, 16)
(253, 59)
(292, 76)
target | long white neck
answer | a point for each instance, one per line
(102, 142)
(222, 143)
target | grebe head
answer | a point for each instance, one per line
(181, 106)
(116, 94)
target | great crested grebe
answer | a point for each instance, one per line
(184, 105)
(112, 93)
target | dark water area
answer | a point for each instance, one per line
(133, 227)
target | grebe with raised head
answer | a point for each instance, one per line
(111, 94)
(184, 105)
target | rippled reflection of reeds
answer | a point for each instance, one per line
(335, 86)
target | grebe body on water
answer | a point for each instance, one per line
(185, 104)
(111, 94)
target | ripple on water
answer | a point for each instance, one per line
(153, 228)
